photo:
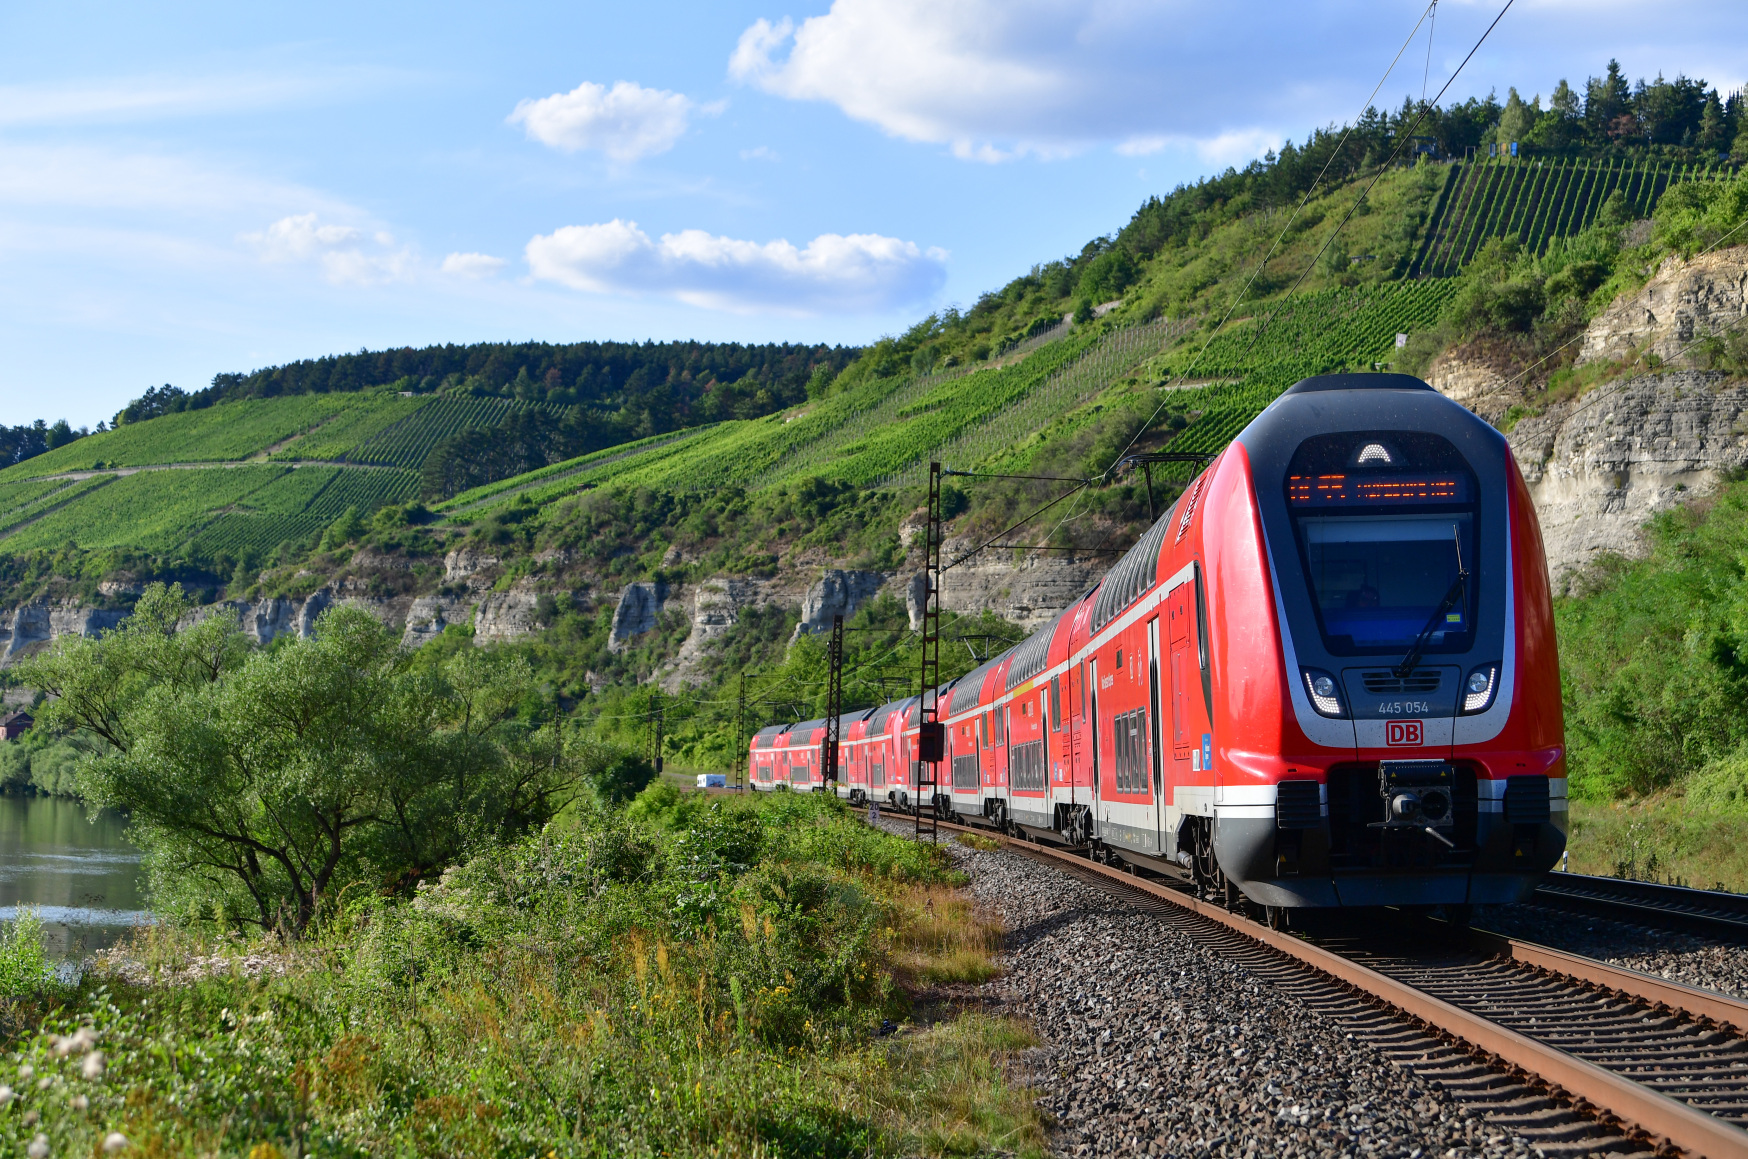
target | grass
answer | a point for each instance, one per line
(1660, 839)
(706, 981)
(941, 937)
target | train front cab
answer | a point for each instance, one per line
(1377, 579)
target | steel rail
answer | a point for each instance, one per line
(1703, 911)
(1639, 1107)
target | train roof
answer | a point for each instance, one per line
(1357, 382)
(1134, 574)
(763, 738)
(883, 715)
(807, 726)
(1032, 653)
(970, 687)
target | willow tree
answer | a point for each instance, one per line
(263, 783)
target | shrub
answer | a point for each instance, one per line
(23, 965)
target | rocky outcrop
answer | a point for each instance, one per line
(1027, 592)
(717, 604)
(1682, 301)
(1600, 467)
(465, 565)
(836, 593)
(1483, 380)
(26, 628)
(503, 617)
(639, 605)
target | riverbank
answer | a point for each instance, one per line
(758, 977)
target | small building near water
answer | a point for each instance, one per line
(13, 724)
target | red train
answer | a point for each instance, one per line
(1327, 677)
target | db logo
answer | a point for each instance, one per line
(1404, 732)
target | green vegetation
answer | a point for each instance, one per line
(1655, 653)
(263, 785)
(1536, 202)
(408, 441)
(368, 416)
(1669, 838)
(705, 979)
(216, 434)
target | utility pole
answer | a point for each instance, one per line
(655, 730)
(931, 733)
(834, 704)
(740, 733)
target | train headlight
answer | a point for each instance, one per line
(1480, 688)
(1324, 692)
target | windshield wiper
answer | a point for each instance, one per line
(1438, 615)
(1420, 642)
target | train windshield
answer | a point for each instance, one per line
(1379, 580)
(1385, 523)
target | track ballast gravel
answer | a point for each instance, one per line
(1691, 959)
(1156, 1046)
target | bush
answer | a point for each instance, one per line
(23, 965)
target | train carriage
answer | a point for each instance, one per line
(1326, 677)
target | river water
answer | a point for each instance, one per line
(81, 876)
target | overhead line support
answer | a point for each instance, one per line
(931, 733)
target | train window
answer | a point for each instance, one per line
(1056, 704)
(996, 737)
(1119, 659)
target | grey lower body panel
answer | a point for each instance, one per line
(1506, 865)
(1037, 820)
(1129, 837)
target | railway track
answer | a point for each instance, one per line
(1575, 1054)
(1701, 911)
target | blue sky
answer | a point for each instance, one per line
(204, 187)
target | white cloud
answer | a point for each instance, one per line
(625, 122)
(341, 250)
(759, 153)
(472, 265)
(833, 273)
(997, 79)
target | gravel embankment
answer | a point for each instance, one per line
(1155, 1046)
(1680, 957)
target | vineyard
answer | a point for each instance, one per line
(407, 441)
(368, 417)
(207, 510)
(1537, 201)
(299, 504)
(150, 510)
(49, 496)
(1060, 395)
(517, 484)
(1318, 333)
(226, 432)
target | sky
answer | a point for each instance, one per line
(200, 188)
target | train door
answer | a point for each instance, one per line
(1183, 671)
(1092, 721)
(1076, 691)
(1160, 799)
